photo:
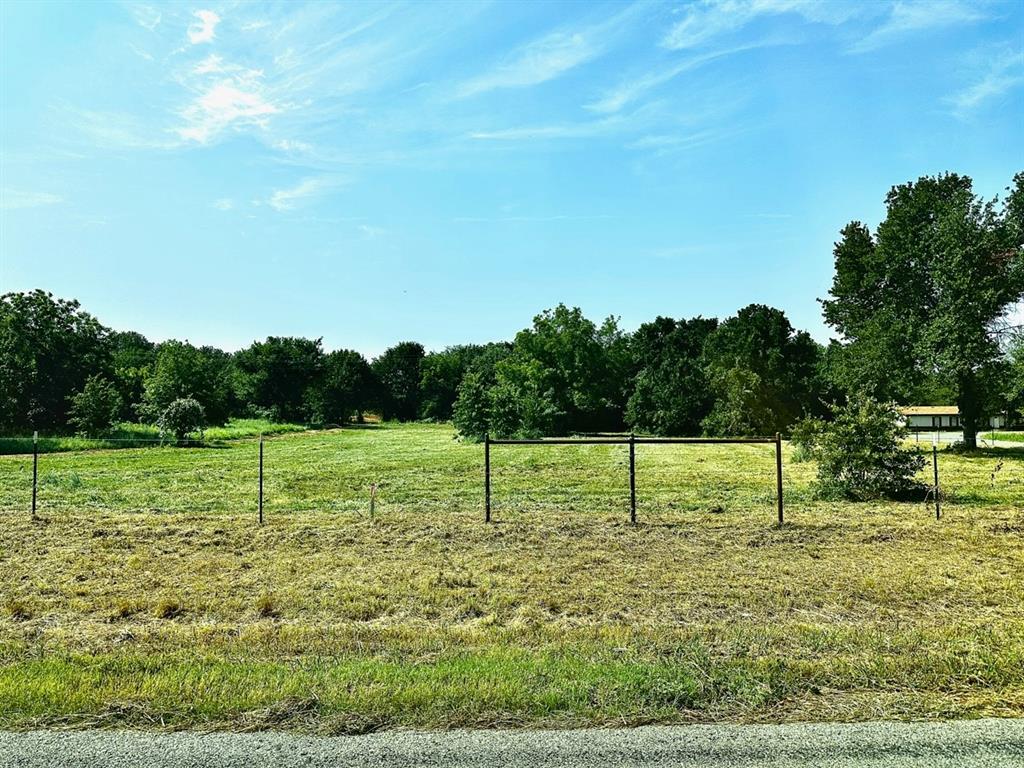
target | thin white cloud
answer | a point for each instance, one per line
(290, 198)
(661, 144)
(371, 233)
(630, 90)
(292, 145)
(224, 204)
(911, 16)
(140, 52)
(146, 16)
(204, 30)
(12, 199)
(707, 20)
(549, 56)
(252, 26)
(528, 219)
(540, 61)
(116, 130)
(554, 131)
(1003, 73)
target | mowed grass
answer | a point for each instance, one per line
(147, 594)
(130, 435)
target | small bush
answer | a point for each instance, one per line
(182, 418)
(861, 453)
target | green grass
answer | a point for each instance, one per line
(147, 595)
(130, 435)
(1017, 437)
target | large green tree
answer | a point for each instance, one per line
(132, 358)
(182, 371)
(49, 347)
(563, 374)
(764, 373)
(349, 387)
(440, 376)
(671, 394)
(281, 376)
(398, 371)
(920, 301)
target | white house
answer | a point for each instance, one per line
(939, 417)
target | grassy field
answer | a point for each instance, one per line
(146, 594)
(130, 435)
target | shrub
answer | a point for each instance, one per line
(95, 409)
(181, 418)
(861, 453)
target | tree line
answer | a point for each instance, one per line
(919, 306)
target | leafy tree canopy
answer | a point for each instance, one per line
(48, 348)
(183, 371)
(922, 298)
(398, 371)
(765, 374)
(281, 376)
(671, 394)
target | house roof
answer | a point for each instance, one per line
(930, 410)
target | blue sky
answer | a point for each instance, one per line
(443, 171)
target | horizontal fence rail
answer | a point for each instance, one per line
(632, 441)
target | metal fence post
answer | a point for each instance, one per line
(778, 474)
(935, 466)
(632, 478)
(35, 470)
(487, 477)
(261, 478)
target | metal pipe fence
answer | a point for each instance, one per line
(632, 441)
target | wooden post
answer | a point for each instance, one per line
(935, 467)
(487, 478)
(35, 470)
(778, 474)
(261, 478)
(632, 478)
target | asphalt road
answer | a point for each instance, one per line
(988, 743)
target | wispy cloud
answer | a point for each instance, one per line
(666, 143)
(146, 16)
(550, 56)
(540, 61)
(629, 90)
(912, 16)
(203, 30)
(230, 96)
(552, 131)
(116, 130)
(705, 21)
(370, 232)
(293, 146)
(12, 199)
(290, 198)
(528, 219)
(1002, 72)
(224, 204)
